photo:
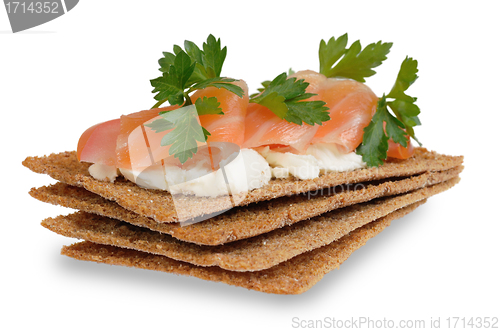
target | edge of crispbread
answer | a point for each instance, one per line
(241, 222)
(294, 276)
(159, 205)
(256, 253)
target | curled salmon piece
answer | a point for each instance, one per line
(229, 127)
(126, 142)
(131, 148)
(351, 107)
(398, 151)
(264, 128)
(98, 143)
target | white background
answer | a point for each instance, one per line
(94, 64)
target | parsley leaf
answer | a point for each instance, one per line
(284, 97)
(170, 86)
(404, 106)
(213, 56)
(330, 52)
(406, 77)
(274, 102)
(264, 84)
(354, 63)
(375, 138)
(185, 131)
(183, 72)
(208, 105)
(196, 56)
(190, 70)
(384, 125)
(160, 125)
(165, 62)
(208, 62)
(375, 141)
(219, 82)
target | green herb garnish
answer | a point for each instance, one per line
(398, 126)
(185, 130)
(354, 63)
(184, 72)
(285, 98)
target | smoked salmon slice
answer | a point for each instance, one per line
(126, 142)
(98, 143)
(229, 127)
(264, 128)
(131, 146)
(121, 142)
(398, 151)
(351, 105)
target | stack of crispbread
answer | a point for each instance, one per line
(283, 238)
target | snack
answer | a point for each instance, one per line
(308, 168)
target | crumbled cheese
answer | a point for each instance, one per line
(319, 159)
(103, 172)
(302, 167)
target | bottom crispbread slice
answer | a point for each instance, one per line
(242, 222)
(257, 253)
(291, 277)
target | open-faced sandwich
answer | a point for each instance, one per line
(268, 191)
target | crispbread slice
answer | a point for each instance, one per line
(241, 222)
(290, 277)
(256, 253)
(159, 205)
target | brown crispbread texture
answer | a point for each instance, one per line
(293, 276)
(241, 222)
(159, 205)
(256, 253)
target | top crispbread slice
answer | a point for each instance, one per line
(293, 276)
(160, 206)
(242, 222)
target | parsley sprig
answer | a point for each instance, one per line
(184, 129)
(384, 125)
(285, 97)
(186, 71)
(335, 60)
